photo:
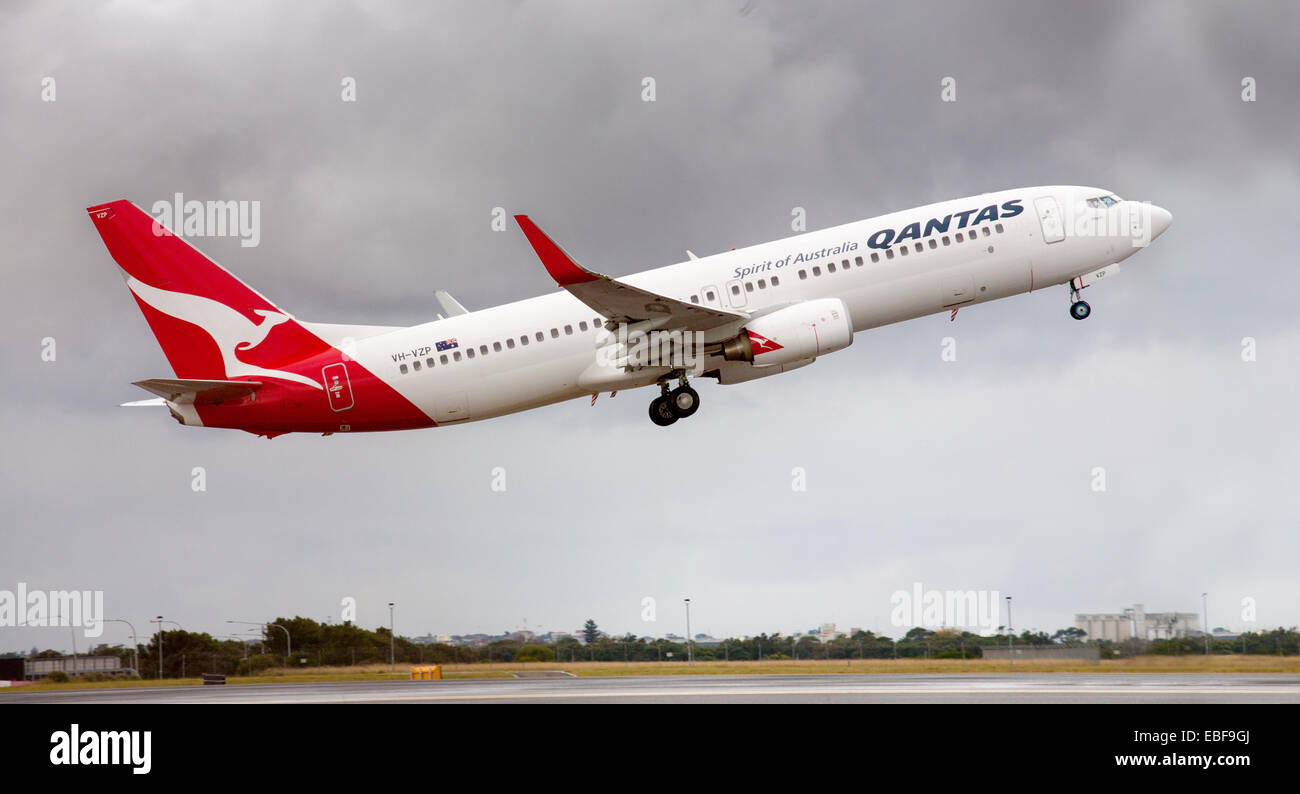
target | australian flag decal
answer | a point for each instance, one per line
(448, 344)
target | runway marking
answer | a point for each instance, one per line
(744, 692)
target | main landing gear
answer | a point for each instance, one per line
(1079, 309)
(674, 404)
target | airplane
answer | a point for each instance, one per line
(244, 362)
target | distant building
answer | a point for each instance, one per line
(1137, 622)
(827, 632)
(74, 665)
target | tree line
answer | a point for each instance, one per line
(188, 654)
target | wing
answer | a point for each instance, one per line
(615, 300)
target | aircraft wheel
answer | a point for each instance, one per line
(661, 412)
(1080, 310)
(684, 401)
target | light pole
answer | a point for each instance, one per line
(288, 641)
(392, 640)
(1011, 635)
(135, 642)
(159, 621)
(244, 642)
(690, 656)
(1205, 614)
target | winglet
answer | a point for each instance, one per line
(560, 265)
(450, 305)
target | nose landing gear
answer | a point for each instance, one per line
(1079, 309)
(678, 403)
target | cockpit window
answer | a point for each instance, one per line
(1104, 201)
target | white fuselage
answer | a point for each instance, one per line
(994, 258)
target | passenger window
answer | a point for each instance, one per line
(830, 267)
(762, 283)
(582, 326)
(735, 290)
(889, 253)
(496, 347)
(749, 286)
(443, 359)
(817, 271)
(540, 336)
(469, 352)
(694, 299)
(987, 232)
(482, 349)
(709, 295)
(857, 260)
(933, 244)
(776, 281)
(960, 239)
(428, 362)
(998, 228)
(555, 333)
(523, 340)
(803, 274)
(510, 343)
(946, 241)
(456, 356)
(918, 248)
(903, 250)
(403, 368)
(416, 365)
(875, 257)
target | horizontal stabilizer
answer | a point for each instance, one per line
(144, 403)
(199, 392)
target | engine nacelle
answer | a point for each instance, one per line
(796, 333)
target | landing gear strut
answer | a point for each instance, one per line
(674, 404)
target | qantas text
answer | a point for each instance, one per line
(884, 238)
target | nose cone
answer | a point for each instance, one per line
(1160, 220)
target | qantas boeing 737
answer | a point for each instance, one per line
(243, 362)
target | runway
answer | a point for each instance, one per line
(847, 688)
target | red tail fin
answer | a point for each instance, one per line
(210, 324)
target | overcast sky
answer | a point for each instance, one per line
(974, 474)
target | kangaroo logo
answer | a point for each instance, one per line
(229, 329)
